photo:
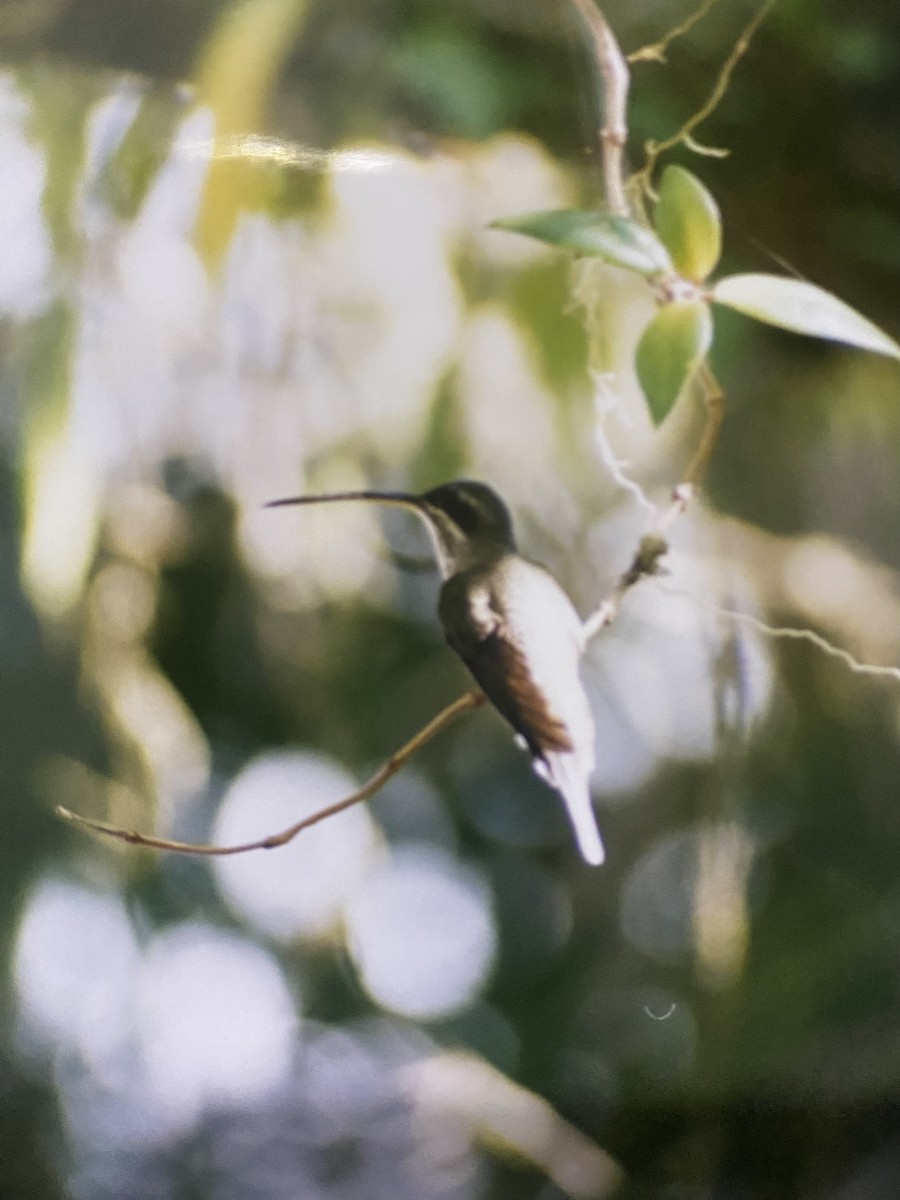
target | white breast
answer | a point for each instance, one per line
(542, 621)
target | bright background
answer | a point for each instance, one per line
(432, 996)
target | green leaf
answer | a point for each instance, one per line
(671, 348)
(130, 171)
(617, 240)
(687, 219)
(803, 308)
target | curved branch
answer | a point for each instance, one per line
(652, 149)
(466, 702)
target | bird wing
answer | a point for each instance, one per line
(499, 667)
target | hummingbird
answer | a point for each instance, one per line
(514, 628)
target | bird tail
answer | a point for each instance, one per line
(566, 774)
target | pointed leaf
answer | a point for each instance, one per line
(617, 240)
(803, 308)
(671, 348)
(687, 219)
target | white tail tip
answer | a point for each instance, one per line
(590, 842)
(563, 772)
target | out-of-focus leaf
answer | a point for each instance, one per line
(617, 240)
(236, 76)
(672, 347)
(60, 493)
(455, 75)
(687, 219)
(803, 308)
(129, 172)
(60, 100)
(460, 1087)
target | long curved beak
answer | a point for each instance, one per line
(399, 499)
(432, 517)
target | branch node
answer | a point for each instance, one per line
(656, 52)
(651, 549)
(683, 494)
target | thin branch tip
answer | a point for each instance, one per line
(656, 51)
(642, 180)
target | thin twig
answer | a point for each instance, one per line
(642, 180)
(714, 400)
(445, 717)
(614, 131)
(614, 73)
(808, 635)
(788, 633)
(607, 404)
(656, 51)
(653, 546)
(650, 551)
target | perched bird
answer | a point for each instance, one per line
(514, 628)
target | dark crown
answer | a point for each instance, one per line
(475, 509)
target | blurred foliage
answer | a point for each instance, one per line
(718, 1008)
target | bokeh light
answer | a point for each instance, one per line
(147, 1039)
(75, 960)
(215, 1022)
(281, 278)
(421, 933)
(301, 888)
